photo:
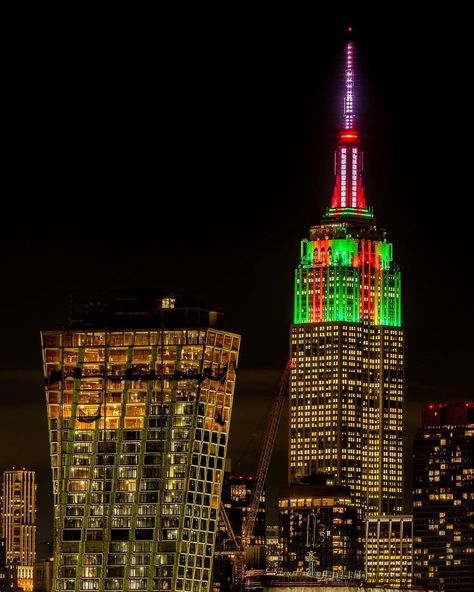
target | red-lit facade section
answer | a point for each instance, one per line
(348, 189)
(439, 414)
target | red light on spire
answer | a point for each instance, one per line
(349, 136)
(349, 29)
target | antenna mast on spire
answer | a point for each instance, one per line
(349, 114)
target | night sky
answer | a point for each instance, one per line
(194, 151)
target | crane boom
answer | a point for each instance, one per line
(228, 526)
(266, 450)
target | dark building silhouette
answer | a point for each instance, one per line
(8, 573)
(443, 498)
(44, 550)
(43, 567)
(236, 495)
(237, 491)
(319, 517)
(43, 575)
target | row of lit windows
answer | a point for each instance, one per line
(136, 338)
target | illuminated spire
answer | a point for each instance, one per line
(348, 198)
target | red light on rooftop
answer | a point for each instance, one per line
(430, 406)
(349, 29)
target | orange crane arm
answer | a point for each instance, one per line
(266, 450)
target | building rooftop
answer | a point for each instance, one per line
(305, 490)
(142, 309)
(447, 414)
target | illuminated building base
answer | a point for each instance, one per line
(346, 406)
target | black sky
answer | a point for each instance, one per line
(195, 150)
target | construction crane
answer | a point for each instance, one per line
(269, 435)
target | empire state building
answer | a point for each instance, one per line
(346, 389)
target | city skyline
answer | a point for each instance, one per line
(302, 173)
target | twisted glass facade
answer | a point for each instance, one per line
(138, 423)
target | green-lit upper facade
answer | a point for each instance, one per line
(346, 271)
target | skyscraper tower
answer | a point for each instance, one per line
(346, 390)
(139, 397)
(19, 524)
(443, 498)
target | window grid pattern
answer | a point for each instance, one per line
(389, 551)
(346, 409)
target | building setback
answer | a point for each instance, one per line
(346, 389)
(443, 498)
(389, 551)
(19, 524)
(139, 395)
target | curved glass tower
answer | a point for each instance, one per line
(139, 395)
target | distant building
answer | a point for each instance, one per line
(19, 524)
(43, 575)
(8, 575)
(443, 498)
(320, 518)
(43, 568)
(139, 393)
(389, 551)
(222, 571)
(274, 549)
(237, 493)
(298, 584)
